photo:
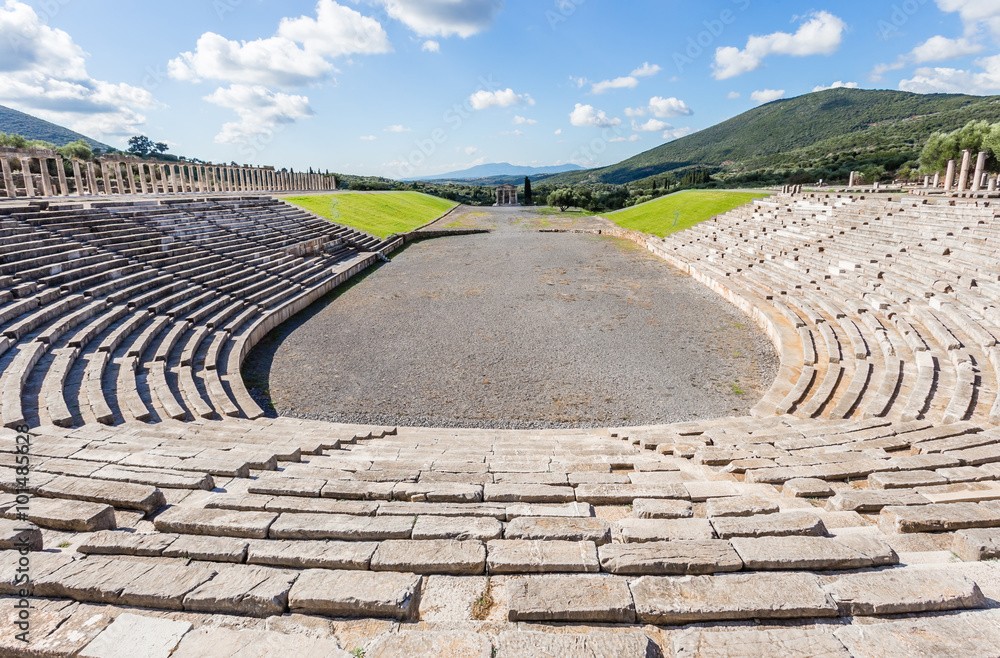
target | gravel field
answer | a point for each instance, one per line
(516, 329)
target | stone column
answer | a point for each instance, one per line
(43, 169)
(118, 178)
(77, 178)
(8, 178)
(141, 167)
(977, 181)
(61, 175)
(937, 180)
(852, 179)
(29, 184)
(949, 177)
(92, 178)
(963, 176)
(927, 182)
(992, 184)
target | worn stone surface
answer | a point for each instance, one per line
(312, 554)
(592, 599)
(785, 642)
(769, 525)
(437, 556)
(518, 556)
(643, 530)
(205, 547)
(68, 515)
(807, 488)
(871, 502)
(668, 558)
(936, 518)
(740, 506)
(356, 594)
(905, 480)
(248, 590)
(461, 528)
(645, 508)
(341, 526)
(115, 542)
(229, 643)
(625, 494)
(849, 551)
(287, 486)
(527, 493)
(122, 495)
(595, 643)
(164, 586)
(975, 545)
(966, 634)
(555, 528)
(898, 591)
(137, 635)
(438, 492)
(460, 644)
(224, 523)
(730, 597)
(531, 509)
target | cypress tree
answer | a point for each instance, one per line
(527, 192)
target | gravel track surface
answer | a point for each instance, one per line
(516, 329)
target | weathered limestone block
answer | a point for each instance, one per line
(700, 492)
(583, 599)
(67, 515)
(786, 642)
(206, 547)
(528, 493)
(226, 643)
(137, 635)
(730, 597)
(441, 492)
(122, 495)
(354, 490)
(596, 643)
(656, 478)
(740, 506)
(322, 505)
(461, 644)
(770, 525)
(344, 555)
(341, 526)
(814, 553)
(582, 510)
(248, 590)
(356, 594)
(807, 488)
(164, 586)
(645, 508)
(967, 492)
(556, 528)
(643, 530)
(460, 528)
(870, 502)
(479, 510)
(221, 523)
(286, 486)
(624, 494)
(431, 556)
(19, 534)
(670, 558)
(979, 544)
(524, 556)
(937, 518)
(904, 480)
(966, 634)
(900, 591)
(115, 542)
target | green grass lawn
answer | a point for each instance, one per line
(381, 214)
(680, 211)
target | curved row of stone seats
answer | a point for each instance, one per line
(830, 281)
(427, 534)
(126, 320)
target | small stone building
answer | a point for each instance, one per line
(507, 196)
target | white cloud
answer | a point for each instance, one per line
(627, 82)
(514, 133)
(261, 111)
(368, 138)
(937, 49)
(579, 82)
(661, 108)
(43, 71)
(733, 95)
(398, 128)
(878, 73)
(585, 116)
(646, 70)
(471, 150)
(295, 56)
(767, 95)
(484, 100)
(820, 35)
(985, 81)
(974, 14)
(559, 131)
(839, 84)
(522, 121)
(676, 133)
(651, 126)
(431, 47)
(631, 138)
(444, 18)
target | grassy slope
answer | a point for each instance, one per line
(801, 131)
(381, 214)
(19, 123)
(680, 211)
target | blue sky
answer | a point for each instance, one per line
(410, 87)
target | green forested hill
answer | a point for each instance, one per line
(18, 123)
(810, 132)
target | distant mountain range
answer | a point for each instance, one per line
(500, 169)
(19, 123)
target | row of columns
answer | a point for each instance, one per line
(979, 181)
(507, 197)
(130, 177)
